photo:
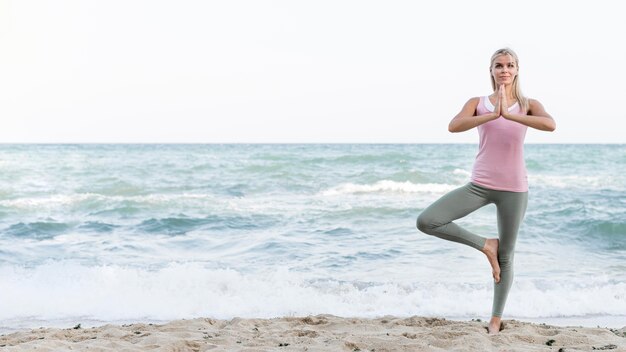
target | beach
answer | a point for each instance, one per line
(108, 235)
(318, 333)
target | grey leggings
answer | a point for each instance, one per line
(437, 220)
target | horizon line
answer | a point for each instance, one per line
(291, 143)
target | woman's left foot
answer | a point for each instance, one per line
(491, 251)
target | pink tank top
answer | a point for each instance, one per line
(500, 163)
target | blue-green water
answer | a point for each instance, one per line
(157, 232)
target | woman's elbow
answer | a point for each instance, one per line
(453, 128)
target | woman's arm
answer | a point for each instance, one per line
(537, 117)
(467, 119)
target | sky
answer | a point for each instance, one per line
(153, 71)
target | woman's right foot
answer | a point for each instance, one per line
(491, 251)
(495, 326)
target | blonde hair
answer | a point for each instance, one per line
(517, 91)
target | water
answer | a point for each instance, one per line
(111, 233)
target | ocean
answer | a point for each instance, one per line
(97, 234)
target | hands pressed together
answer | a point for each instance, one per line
(502, 104)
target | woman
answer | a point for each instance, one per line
(498, 175)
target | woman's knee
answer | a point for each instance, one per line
(506, 260)
(425, 222)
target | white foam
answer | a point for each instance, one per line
(59, 291)
(576, 181)
(462, 172)
(49, 201)
(57, 200)
(388, 186)
(540, 298)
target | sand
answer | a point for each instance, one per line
(318, 333)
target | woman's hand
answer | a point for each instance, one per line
(503, 103)
(536, 117)
(497, 109)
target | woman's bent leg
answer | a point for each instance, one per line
(437, 219)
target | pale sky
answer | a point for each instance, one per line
(110, 71)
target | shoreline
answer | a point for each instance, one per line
(593, 321)
(317, 333)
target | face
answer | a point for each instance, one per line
(504, 69)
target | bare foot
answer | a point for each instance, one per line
(491, 250)
(495, 326)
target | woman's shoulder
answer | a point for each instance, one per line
(533, 103)
(535, 107)
(473, 101)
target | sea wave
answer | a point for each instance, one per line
(462, 172)
(37, 230)
(576, 181)
(57, 200)
(182, 225)
(165, 226)
(388, 186)
(61, 290)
